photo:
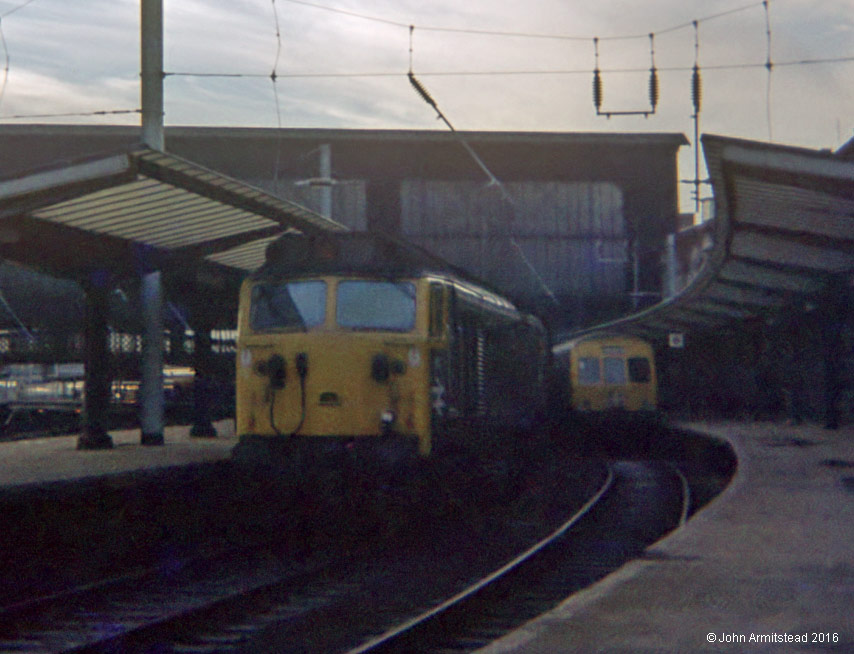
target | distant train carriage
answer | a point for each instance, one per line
(354, 339)
(607, 371)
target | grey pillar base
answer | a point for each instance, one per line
(152, 439)
(94, 440)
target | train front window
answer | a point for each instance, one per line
(588, 371)
(379, 305)
(288, 305)
(640, 372)
(615, 370)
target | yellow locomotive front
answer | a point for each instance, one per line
(335, 357)
(606, 372)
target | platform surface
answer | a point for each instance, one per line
(42, 460)
(765, 565)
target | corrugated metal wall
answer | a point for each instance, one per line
(348, 198)
(574, 234)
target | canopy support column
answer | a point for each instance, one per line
(202, 386)
(97, 378)
(151, 387)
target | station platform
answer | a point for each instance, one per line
(767, 566)
(56, 458)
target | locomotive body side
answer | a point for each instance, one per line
(493, 371)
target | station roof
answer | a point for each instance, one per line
(142, 209)
(783, 231)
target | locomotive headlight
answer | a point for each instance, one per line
(386, 421)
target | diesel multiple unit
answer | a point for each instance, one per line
(603, 371)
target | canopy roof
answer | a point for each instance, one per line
(140, 210)
(783, 232)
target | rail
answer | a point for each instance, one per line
(386, 639)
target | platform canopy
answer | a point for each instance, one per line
(135, 211)
(783, 236)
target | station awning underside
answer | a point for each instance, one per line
(783, 233)
(143, 210)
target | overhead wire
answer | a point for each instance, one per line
(513, 34)
(6, 48)
(6, 63)
(274, 77)
(74, 114)
(5, 80)
(17, 8)
(708, 18)
(769, 66)
(411, 27)
(696, 101)
(598, 85)
(345, 12)
(493, 180)
(521, 72)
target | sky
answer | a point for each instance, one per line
(489, 65)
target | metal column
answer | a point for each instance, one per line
(202, 385)
(151, 388)
(326, 180)
(151, 60)
(97, 380)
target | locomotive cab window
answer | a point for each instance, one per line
(640, 372)
(437, 309)
(288, 305)
(376, 305)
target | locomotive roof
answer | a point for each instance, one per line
(602, 335)
(368, 253)
(351, 253)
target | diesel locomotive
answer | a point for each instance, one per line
(358, 340)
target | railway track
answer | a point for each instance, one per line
(260, 601)
(632, 509)
(139, 611)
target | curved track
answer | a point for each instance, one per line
(639, 502)
(260, 601)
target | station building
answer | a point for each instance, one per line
(583, 229)
(574, 229)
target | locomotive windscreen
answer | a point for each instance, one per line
(288, 305)
(366, 304)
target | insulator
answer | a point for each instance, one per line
(422, 91)
(597, 89)
(653, 88)
(696, 89)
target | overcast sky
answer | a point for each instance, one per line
(82, 56)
